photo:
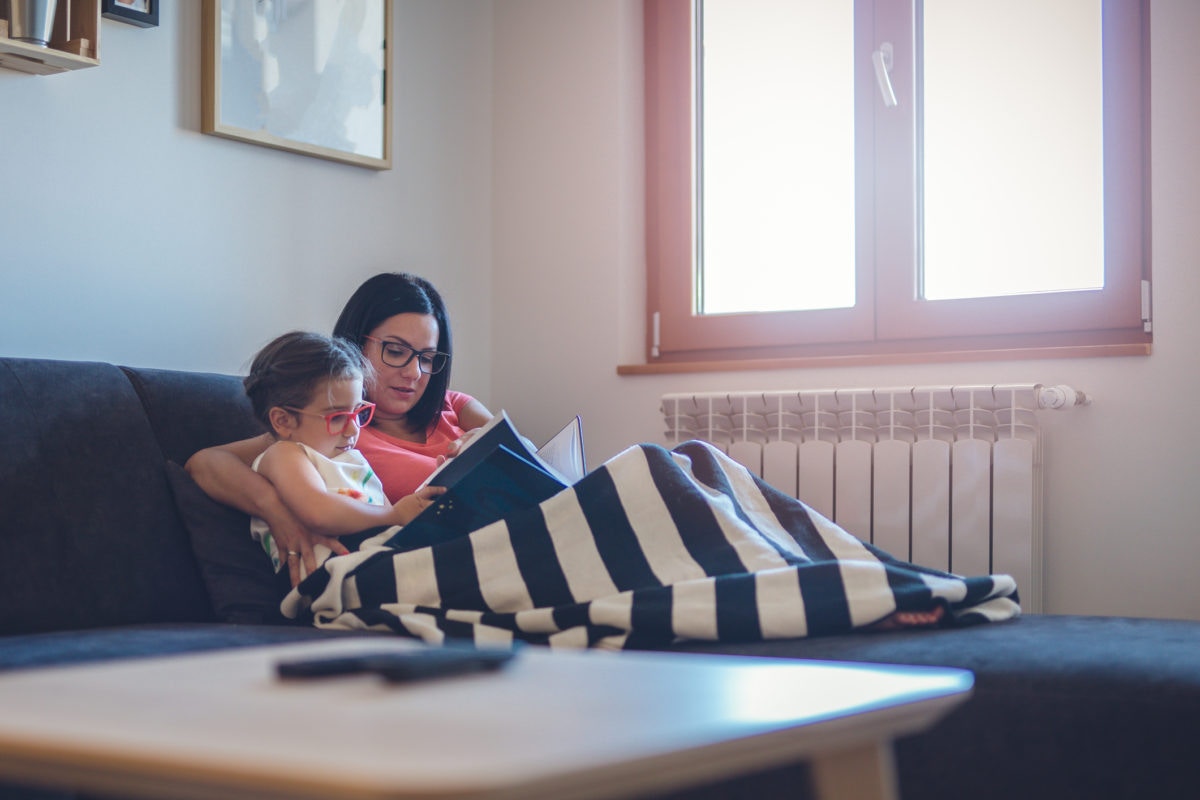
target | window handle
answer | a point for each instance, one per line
(882, 59)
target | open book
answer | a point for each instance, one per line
(497, 472)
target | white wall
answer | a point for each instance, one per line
(1122, 532)
(128, 236)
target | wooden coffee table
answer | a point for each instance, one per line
(548, 725)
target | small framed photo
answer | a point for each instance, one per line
(143, 13)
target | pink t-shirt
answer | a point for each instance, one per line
(402, 465)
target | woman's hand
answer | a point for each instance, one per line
(407, 508)
(296, 543)
(471, 417)
(224, 473)
(456, 446)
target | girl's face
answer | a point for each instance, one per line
(308, 425)
(395, 390)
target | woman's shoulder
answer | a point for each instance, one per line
(457, 401)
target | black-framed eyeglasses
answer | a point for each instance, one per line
(337, 422)
(398, 354)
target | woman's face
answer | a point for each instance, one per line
(396, 390)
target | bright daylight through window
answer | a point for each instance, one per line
(894, 176)
(777, 222)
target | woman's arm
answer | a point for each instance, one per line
(473, 415)
(224, 473)
(303, 491)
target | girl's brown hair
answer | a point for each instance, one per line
(288, 371)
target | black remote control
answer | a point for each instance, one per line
(400, 666)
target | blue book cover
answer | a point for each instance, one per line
(495, 485)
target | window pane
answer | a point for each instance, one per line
(777, 165)
(1012, 147)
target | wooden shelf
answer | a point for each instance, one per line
(74, 44)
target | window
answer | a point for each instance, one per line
(997, 203)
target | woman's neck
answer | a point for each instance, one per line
(399, 428)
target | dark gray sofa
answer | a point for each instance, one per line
(111, 551)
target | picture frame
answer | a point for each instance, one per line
(309, 78)
(142, 13)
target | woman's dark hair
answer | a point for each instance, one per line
(384, 296)
(288, 371)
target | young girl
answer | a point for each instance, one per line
(307, 390)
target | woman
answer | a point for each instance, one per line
(400, 323)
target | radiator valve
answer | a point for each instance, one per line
(1060, 397)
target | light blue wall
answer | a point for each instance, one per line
(126, 235)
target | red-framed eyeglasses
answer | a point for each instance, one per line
(336, 422)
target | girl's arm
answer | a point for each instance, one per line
(224, 473)
(302, 490)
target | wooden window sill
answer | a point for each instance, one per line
(882, 359)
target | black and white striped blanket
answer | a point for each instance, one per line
(653, 547)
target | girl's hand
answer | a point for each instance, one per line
(406, 508)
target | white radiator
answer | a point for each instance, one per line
(943, 476)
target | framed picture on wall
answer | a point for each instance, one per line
(143, 13)
(309, 77)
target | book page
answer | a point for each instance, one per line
(567, 464)
(564, 451)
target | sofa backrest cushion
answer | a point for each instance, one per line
(88, 525)
(188, 412)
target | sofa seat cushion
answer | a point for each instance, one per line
(1056, 699)
(1083, 654)
(140, 641)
